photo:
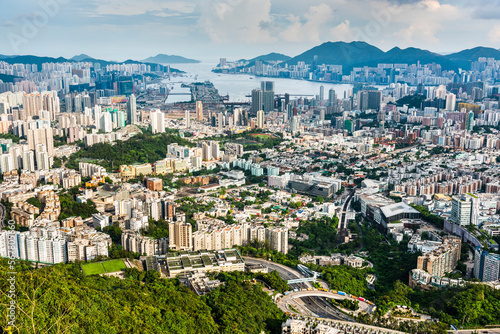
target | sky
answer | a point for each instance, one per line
(235, 29)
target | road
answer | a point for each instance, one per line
(478, 331)
(363, 306)
(322, 308)
(315, 305)
(285, 272)
(3, 212)
(343, 217)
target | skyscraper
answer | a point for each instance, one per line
(188, 119)
(131, 110)
(42, 136)
(464, 210)
(469, 121)
(69, 103)
(369, 99)
(332, 101)
(260, 119)
(199, 111)
(106, 122)
(257, 100)
(237, 116)
(220, 120)
(77, 101)
(157, 121)
(321, 93)
(267, 88)
(486, 265)
(451, 101)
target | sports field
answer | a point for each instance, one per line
(114, 265)
(98, 268)
(261, 135)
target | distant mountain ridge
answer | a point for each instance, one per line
(169, 59)
(273, 56)
(81, 57)
(358, 54)
(28, 59)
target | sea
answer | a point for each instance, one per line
(239, 86)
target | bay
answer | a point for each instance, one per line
(238, 86)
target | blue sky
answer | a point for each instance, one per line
(209, 29)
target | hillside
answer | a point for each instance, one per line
(81, 57)
(273, 56)
(61, 299)
(465, 57)
(339, 53)
(169, 59)
(358, 54)
(29, 59)
(7, 78)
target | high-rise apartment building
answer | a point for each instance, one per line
(42, 136)
(486, 265)
(187, 118)
(442, 260)
(199, 111)
(257, 100)
(157, 121)
(180, 235)
(131, 110)
(260, 119)
(267, 88)
(369, 99)
(464, 210)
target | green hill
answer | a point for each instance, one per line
(169, 59)
(339, 53)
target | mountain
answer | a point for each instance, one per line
(466, 57)
(339, 53)
(34, 60)
(7, 77)
(359, 54)
(81, 57)
(273, 56)
(169, 59)
(415, 55)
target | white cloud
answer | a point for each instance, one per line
(316, 19)
(420, 24)
(494, 34)
(236, 20)
(343, 32)
(134, 7)
(420, 33)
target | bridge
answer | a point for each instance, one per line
(301, 280)
(307, 272)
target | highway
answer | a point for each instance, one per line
(322, 308)
(316, 305)
(343, 217)
(285, 272)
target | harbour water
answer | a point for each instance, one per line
(237, 86)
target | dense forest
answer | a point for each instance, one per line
(60, 299)
(141, 148)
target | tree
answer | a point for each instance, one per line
(319, 199)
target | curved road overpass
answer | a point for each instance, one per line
(288, 299)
